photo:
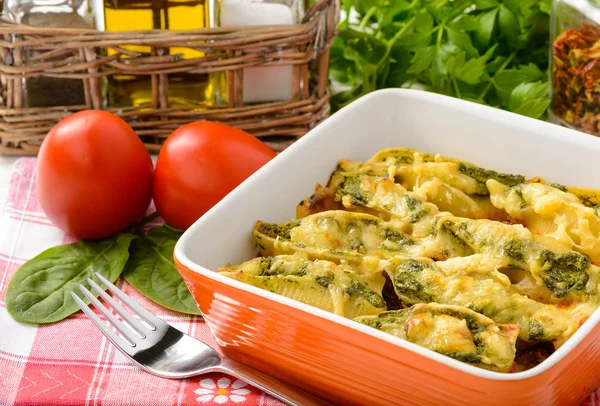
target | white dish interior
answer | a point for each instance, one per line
(485, 136)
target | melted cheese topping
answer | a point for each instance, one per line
(441, 333)
(450, 184)
(454, 331)
(446, 236)
(323, 284)
(473, 283)
(337, 235)
(549, 211)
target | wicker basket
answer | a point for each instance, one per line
(81, 54)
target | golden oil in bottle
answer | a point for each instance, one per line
(135, 15)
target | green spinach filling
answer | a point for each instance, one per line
(398, 319)
(325, 280)
(397, 237)
(536, 330)
(563, 273)
(514, 250)
(482, 175)
(351, 186)
(559, 187)
(407, 281)
(519, 192)
(358, 289)
(278, 230)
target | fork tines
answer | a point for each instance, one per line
(131, 335)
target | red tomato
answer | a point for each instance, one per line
(94, 175)
(199, 164)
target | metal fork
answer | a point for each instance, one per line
(167, 352)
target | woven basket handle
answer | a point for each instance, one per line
(328, 14)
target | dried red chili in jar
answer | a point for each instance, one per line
(576, 65)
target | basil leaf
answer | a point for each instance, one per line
(151, 271)
(40, 291)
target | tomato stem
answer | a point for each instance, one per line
(137, 227)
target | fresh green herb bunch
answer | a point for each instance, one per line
(493, 52)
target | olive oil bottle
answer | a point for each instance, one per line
(133, 15)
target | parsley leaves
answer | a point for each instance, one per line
(493, 52)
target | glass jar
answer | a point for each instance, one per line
(575, 65)
(47, 91)
(261, 84)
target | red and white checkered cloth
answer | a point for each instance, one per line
(71, 362)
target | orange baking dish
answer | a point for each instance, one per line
(344, 361)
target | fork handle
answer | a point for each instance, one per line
(278, 389)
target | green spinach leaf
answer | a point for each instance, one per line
(40, 291)
(151, 271)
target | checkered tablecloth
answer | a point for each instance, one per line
(70, 362)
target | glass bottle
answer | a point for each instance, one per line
(47, 91)
(261, 84)
(134, 15)
(575, 65)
